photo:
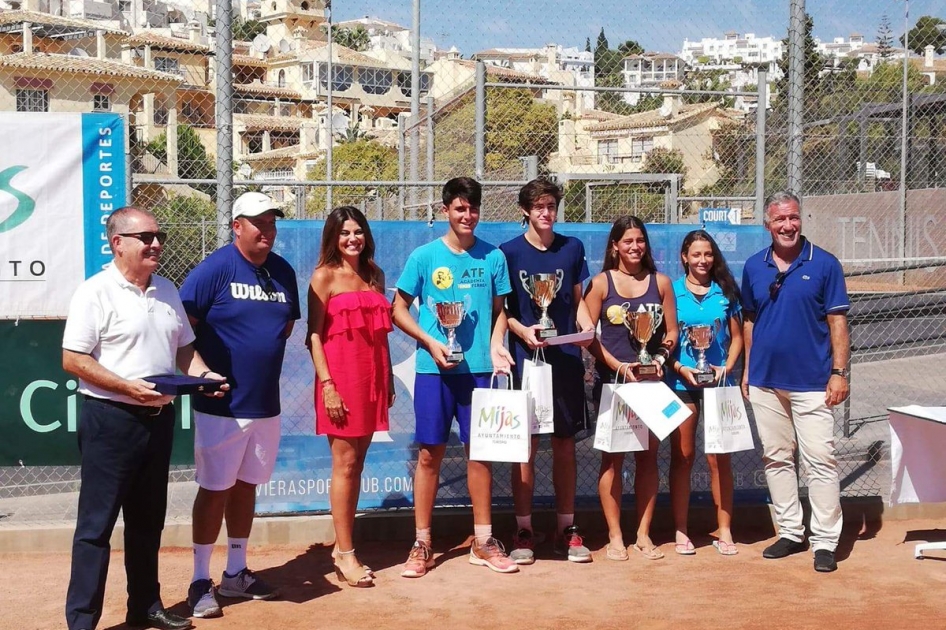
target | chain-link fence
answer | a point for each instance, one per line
(659, 110)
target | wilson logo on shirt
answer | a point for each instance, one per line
(241, 291)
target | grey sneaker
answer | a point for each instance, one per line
(245, 584)
(570, 545)
(201, 599)
(522, 547)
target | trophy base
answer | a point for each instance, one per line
(455, 357)
(646, 373)
(704, 378)
(547, 333)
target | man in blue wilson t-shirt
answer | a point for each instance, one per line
(458, 267)
(540, 250)
(797, 350)
(242, 301)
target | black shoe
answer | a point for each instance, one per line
(824, 561)
(783, 547)
(162, 619)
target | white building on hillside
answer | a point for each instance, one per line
(568, 66)
(391, 37)
(839, 50)
(649, 70)
(733, 48)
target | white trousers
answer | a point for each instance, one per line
(785, 419)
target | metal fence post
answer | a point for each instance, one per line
(400, 166)
(224, 117)
(415, 109)
(480, 119)
(330, 132)
(430, 156)
(761, 104)
(796, 94)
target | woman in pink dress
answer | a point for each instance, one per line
(349, 322)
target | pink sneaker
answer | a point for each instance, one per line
(492, 555)
(418, 561)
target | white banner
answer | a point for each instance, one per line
(60, 176)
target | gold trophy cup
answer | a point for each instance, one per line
(641, 326)
(543, 287)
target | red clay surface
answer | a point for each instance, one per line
(879, 585)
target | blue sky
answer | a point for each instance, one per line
(473, 25)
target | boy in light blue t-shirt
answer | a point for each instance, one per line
(455, 268)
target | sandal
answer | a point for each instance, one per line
(651, 553)
(724, 548)
(356, 577)
(367, 568)
(617, 554)
(685, 549)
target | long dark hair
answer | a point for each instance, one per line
(621, 226)
(719, 272)
(330, 256)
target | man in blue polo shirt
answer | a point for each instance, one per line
(242, 301)
(797, 351)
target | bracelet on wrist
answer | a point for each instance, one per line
(327, 381)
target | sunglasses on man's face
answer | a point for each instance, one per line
(148, 237)
(777, 285)
(265, 280)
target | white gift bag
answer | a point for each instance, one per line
(618, 429)
(656, 405)
(500, 430)
(537, 383)
(725, 420)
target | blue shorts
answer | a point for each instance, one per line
(438, 399)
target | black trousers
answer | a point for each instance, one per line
(125, 459)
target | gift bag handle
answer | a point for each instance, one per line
(492, 379)
(539, 355)
(622, 370)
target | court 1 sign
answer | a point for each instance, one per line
(60, 177)
(727, 216)
(39, 404)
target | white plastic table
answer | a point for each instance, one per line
(917, 437)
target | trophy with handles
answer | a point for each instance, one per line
(543, 287)
(641, 326)
(450, 315)
(701, 337)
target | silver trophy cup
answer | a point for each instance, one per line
(543, 287)
(641, 326)
(701, 337)
(450, 315)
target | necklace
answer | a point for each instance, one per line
(698, 284)
(628, 273)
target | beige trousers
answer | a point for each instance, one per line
(786, 419)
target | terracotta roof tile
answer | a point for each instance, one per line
(166, 43)
(259, 89)
(35, 17)
(653, 118)
(83, 65)
(271, 123)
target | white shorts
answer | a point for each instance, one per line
(228, 449)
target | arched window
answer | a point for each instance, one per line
(281, 81)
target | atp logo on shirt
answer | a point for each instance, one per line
(442, 278)
(243, 291)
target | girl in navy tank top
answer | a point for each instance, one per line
(630, 278)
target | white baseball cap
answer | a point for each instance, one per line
(253, 204)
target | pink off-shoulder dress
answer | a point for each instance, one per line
(355, 340)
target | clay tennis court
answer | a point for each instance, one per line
(879, 585)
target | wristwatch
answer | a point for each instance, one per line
(842, 372)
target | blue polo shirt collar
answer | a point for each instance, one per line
(682, 291)
(806, 254)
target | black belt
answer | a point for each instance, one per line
(142, 411)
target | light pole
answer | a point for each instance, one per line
(902, 214)
(330, 141)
